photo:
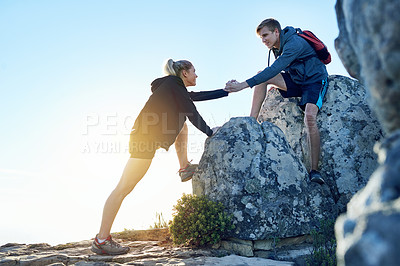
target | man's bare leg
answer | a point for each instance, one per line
(260, 92)
(310, 121)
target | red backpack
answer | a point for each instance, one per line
(319, 47)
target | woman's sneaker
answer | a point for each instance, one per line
(108, 247)
(187, 172)
(316, 177)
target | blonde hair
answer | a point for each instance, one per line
(175, 68)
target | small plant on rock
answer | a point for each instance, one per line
(198, 221)
(324, 245)
(160, 222)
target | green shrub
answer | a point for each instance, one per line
(198, 221)
(324, 245)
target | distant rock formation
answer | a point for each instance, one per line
(348, 129)
(369, 47)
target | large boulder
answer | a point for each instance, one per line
(348, 129)
(253, 171)
(369, 46)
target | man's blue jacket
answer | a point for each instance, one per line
(296, 57)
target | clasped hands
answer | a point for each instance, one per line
(234, 86)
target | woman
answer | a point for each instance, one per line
(160, 123)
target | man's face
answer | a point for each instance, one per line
(269, 38)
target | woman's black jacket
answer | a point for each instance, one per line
(165, 112)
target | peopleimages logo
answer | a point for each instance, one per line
(109, 133)
(107, 124)
(113, 124)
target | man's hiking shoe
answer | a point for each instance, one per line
(316, 177)
(108, 247)
(187, 172)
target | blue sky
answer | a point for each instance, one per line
(75, 74)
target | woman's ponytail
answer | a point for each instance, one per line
(175, 68)
(169, 68)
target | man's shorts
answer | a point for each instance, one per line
(309, 93)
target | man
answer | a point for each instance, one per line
(296, 72)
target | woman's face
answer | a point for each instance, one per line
(189, 77)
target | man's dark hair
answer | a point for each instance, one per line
(271, 24)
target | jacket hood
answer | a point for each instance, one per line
(285, 35)
(157, 82)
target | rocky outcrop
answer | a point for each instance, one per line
(252, 170)
(369, 47)
(259, 171)
(348, 129)
(143, 252)
(368, 233)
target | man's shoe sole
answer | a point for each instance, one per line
(318, 180)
